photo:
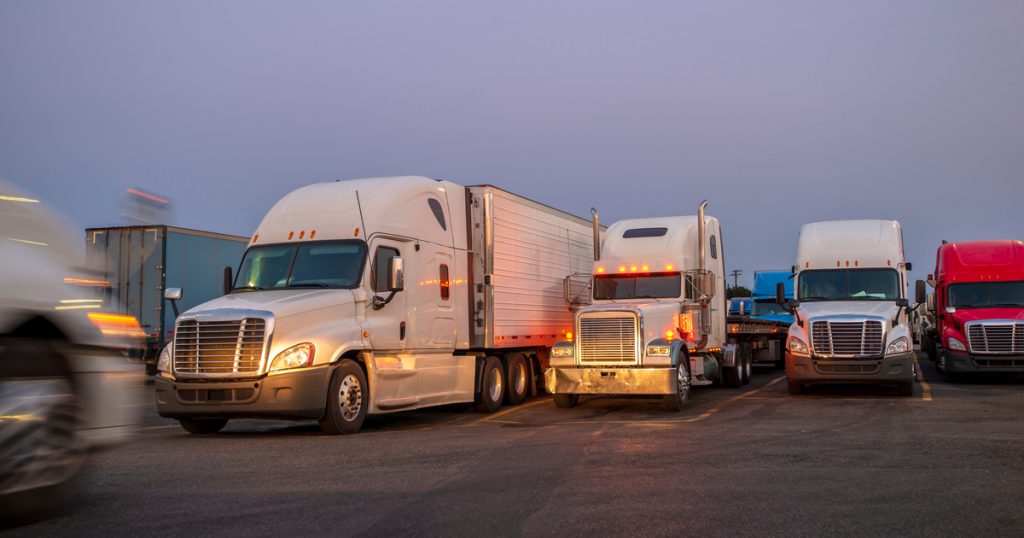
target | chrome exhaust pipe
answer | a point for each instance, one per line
(597, 234)
(701, 247)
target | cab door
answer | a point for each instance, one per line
(394, 369)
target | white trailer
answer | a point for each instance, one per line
(379, 295)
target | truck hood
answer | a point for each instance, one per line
(964, 315)
(882, 309)
(281, 303)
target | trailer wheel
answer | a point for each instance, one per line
(518, 375)
(203, 425)
(492, 390)
(676, 402)
(565, 401)
(732, 376)
(346, 400)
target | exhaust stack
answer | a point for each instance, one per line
(700, 236)
(597, 234)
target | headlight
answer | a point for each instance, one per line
(899, 345)
(797, 346)
(299, 356)
(659, 350)
(163, 361)
(562, 350)
(956, 345)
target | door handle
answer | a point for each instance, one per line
(401, 331)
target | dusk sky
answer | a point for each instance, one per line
(779, 113)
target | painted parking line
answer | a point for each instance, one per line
(926, 389)
(494, 417)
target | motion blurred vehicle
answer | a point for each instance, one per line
(978, 308)
(851, 323)
(378, 295)
(63, 372)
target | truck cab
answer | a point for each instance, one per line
(657, 322)
(764, 296)
(977, 307)
(850, 307)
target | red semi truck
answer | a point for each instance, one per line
(977, 308)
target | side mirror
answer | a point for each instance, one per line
(780, 293)
(920, 292)
(930, 302)
(227, 282)
(902, 302)
(950, 310)
(396, 274)
(173, 294)
(909, 266)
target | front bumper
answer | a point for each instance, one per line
(964, 362)
(892, 369)
(646, 381)
(294, 395)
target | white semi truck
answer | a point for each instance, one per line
(657, 321)
(378, 295)
(850, 307)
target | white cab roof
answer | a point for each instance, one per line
(675, 250)
(850, 243)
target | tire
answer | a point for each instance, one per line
(676, 402)
(201, 426)
(796, 388)
(518, 375)
(492, 387)
(565, 401)
(748, 366)
(905, 389)
(49, 441)
(732, 376)
(347, 400)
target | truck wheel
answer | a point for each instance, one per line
(732, 376)
(565, 401)
(346, 400)
(492, 391)
(518, 376)
(676, 402)
(203, 425)
(748, 366)
(44, 448)
(905, 389)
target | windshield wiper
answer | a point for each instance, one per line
(310, 285)
(1008, 304)
(816, 298)
(246, 288)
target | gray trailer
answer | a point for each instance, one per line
(138, 263)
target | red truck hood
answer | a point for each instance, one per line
(964, 315)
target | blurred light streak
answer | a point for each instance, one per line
(27, 242)
(18, 199)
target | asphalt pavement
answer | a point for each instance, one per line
(841, 460)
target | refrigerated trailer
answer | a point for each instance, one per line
(379, 295)
(135, 264)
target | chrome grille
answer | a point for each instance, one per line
(996, 338)
(608, 340)
(847, 339)
(219, 347)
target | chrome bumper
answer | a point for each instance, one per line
(648, 381)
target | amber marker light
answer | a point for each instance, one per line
(600, 269)
(622, 269)
(668, 267)
(116, 324)
(568, 335)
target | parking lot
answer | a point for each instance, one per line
(841, 460)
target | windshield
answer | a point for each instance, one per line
(849, 285)
(768, 308)
(322, 264)
(637, 287)
(986, 294)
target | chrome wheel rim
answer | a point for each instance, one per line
(519, 378)
(350, 397)
(494, 385)
(682, 382)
